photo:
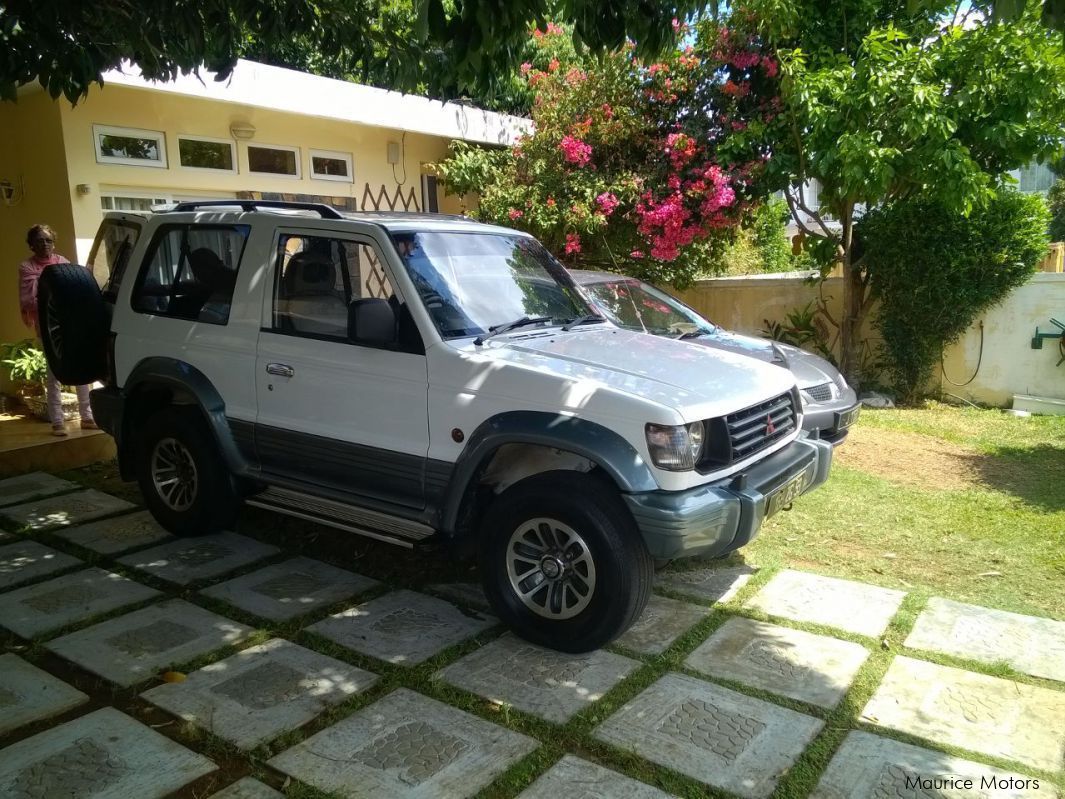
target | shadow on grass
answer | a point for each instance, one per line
(1035, 475)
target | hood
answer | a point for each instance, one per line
(809, 369)
(698, 382)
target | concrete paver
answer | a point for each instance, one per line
(717, 736)
(867, 766)
(66, 510)
(715, 585)
(117, 534)
(662, 622)
(983, 714)
(552, 685)
(22, 561)
(132, 648)
(405, 746)
(1029, 644)
(187, 560)
(34, 485)
(844, 604)
(289, 589)
(574, 778)
(402, 627)
(261, 692)
(43, 607)
(811, 668)
(28, 693)
(468, 594)
(102, 755)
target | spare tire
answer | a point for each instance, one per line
(75, 321)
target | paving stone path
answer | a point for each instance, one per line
(98, 605)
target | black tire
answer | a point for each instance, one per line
(75, 323)
(607, 548)
(175, 445)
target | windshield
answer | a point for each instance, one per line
(472, 282)
(637, 306)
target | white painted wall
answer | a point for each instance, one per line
(1010, 366)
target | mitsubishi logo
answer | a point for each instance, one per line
(770, 428)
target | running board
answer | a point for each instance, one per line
(342, 516)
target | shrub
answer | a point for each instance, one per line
(934, 271)
(1056, 201)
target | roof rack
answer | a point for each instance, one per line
(325, 211)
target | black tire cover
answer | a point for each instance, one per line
(75, 321)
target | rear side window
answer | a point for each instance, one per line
(189, 272)
(110, 254)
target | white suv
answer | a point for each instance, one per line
(422, 378)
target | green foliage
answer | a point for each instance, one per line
(1056, 203)
(444, 48)
(935, 270)
(804, 327)
(24, 361)
(770, 237)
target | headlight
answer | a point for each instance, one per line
(675, 447)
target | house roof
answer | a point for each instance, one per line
(279, 89)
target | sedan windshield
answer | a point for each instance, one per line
(472, 282)
(635, 305)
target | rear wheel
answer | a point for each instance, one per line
(563, 563)
(75, 321)
(185, 483)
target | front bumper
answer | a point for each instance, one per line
(832, 420)
(717, 518)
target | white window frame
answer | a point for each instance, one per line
(295, 150)
(232, 148)
(133, 133)
(345, 157)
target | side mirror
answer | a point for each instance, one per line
(371, 321)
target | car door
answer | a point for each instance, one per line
(334, 413)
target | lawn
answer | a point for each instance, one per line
(964, 503)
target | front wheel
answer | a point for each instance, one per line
(185, 483)
(563, 563)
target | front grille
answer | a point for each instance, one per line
(743, 433)
(821, 393)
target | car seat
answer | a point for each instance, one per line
(308, 298)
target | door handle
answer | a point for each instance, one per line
(280, 369)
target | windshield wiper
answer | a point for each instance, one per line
(587, 319)
(691, 334)
(506, 328)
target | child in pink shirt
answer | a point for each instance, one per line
(41, 240)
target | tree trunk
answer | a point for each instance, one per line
(853, 302)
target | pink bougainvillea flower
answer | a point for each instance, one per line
(637, 254)
(525, 68)
(573, 243)
(550, 202)
(514, 213)
(553, 65)
(575, 151)
(607, 202)
(770, 66)
(608, 111)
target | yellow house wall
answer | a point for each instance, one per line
(1008, 364)
(31, 153)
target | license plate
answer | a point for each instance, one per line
(845, 419)
(789, 492)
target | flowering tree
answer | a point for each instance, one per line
(622, 170)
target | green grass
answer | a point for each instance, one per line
(1000, 542)
(1006, 518)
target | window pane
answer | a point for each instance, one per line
(111, 252)
(321, 165)
(314, 286)
(129, 147)
(206, 154)
(274, 162)
(190, 273)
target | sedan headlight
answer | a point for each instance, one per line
(676, 448)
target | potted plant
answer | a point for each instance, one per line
(28, 371)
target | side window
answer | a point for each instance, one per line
(190, 272)
(110, 253)
(318, 278)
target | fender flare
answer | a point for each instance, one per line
(176, 374)
(607, 449)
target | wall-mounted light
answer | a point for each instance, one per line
(11, 191)
(242, 130)
(83, 189)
